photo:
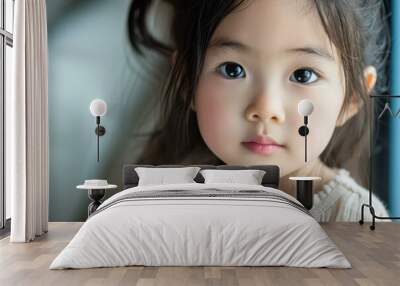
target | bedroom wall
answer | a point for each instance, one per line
(89, 57)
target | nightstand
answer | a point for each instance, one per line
(96, 190)
(304, 189)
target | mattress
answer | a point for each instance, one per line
(201, 225)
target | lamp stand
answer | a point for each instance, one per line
(303, 131)
(100, 131)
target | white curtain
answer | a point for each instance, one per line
(27, 146)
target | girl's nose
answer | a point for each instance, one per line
(265, 108)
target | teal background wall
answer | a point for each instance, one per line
(89, 57)
(394, 124)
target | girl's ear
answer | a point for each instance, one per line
(370, 77)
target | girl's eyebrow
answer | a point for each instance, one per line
(313, 51)
(231, 44)
(240, 47)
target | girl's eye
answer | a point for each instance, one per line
(231, 70)
(304, 76)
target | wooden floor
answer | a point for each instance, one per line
(374, 255)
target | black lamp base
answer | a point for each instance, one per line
(100, 130)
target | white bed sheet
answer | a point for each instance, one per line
(200, 231)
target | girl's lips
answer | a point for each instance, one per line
(265, 149)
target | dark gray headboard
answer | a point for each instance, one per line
(271, 178)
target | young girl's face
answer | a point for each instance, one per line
(263, 59)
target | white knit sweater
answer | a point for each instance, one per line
(341, 200)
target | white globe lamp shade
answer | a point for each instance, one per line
(98, 107)
(305, 107)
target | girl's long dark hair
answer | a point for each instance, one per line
(193, 24)
(357, 28)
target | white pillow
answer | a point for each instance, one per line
(162, 176)
(249, 176)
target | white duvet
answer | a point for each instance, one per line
(182, 231)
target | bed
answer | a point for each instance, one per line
(201, 224)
